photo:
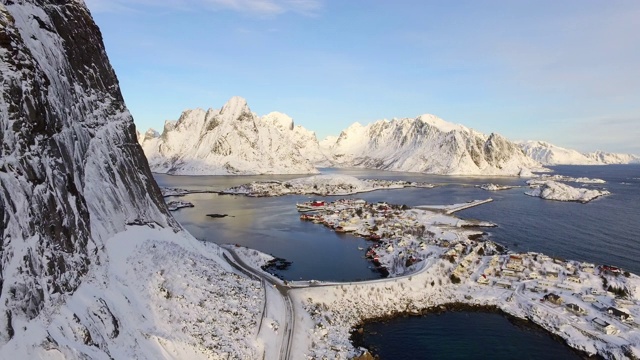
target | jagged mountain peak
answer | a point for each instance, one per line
(439, 123)
(235, 108)
(279, 119)
(233, 140)
(151, 133)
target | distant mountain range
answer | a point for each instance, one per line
(233, 140)
(549, 154)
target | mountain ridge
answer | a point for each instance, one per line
(428, 144)
(232, 140)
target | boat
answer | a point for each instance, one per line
(311, 205)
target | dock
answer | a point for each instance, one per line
(450, 209)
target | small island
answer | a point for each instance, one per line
(321, 185)
(552, 190)
(178, 204)
(495, 187)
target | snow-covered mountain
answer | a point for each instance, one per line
(232, 140)
(613, 158)
(428, 144)
(305, 141)
(549, 154)
(92, 266)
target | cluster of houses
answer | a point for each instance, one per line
(568, 284)
(398, 233)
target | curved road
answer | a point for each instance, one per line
(287, 333)
(289, 326)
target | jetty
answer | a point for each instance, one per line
(450, 209)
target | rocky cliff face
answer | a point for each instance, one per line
(71, 170)
(428, 144)
(232, 140)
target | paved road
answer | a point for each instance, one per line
(289, 326)
(288, 330)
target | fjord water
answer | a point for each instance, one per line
(461, 335)
(604, 231)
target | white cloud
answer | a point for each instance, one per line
(250, 7)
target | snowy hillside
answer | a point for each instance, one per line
(428, 144)
(232, 140)
(549, 154)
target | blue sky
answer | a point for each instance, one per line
(567, 72)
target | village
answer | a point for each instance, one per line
(593, 307)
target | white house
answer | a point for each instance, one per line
(604, 326)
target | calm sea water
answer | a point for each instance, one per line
(461, 335)
(604, 231)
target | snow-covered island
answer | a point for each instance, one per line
(547, 177)
(322, 185)
(552, 190)
(495, 187)
(178, 204)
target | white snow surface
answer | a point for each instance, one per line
(428, 144)
(155, 294)
(232, 141)
(553, 190)
(549, 154)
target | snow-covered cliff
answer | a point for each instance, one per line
(549, 154)
(428, 144)
(92, 266)
(66, 137)
(232, 140)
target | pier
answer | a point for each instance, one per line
(450, 209)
